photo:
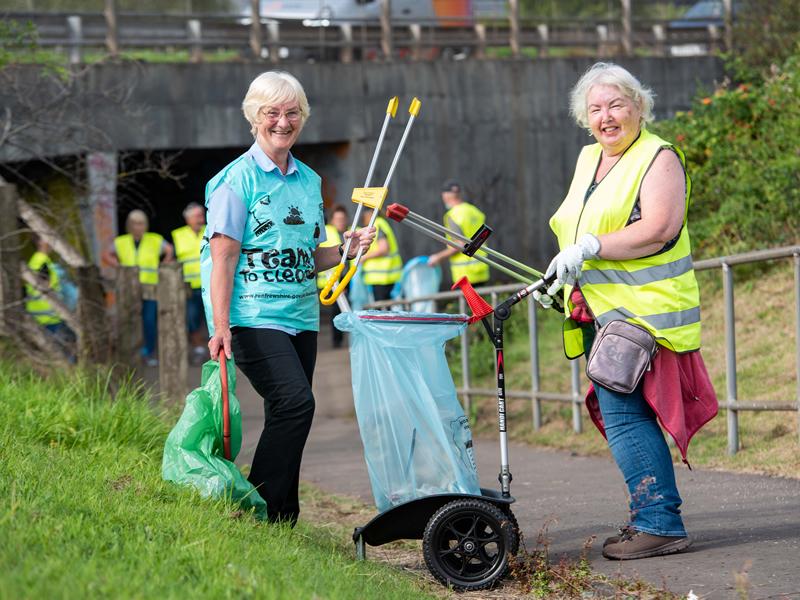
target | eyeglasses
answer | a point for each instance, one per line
(273, 115)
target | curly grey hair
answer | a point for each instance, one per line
(604, 73)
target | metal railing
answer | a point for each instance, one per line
(277, 39)
(731, 403)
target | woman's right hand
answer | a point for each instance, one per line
(221, 340)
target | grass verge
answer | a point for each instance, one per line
(84, 512)
(765, 350)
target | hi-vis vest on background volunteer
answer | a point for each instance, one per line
(146, 256)
(658, 292)
(387, 269)
(187, 250)
(333, 239)
(36, 304)
(469, 219)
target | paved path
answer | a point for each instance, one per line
(739, 522)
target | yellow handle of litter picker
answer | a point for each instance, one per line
(328, 295)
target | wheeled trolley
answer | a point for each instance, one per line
(468, 539)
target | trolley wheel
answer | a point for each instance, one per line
(513, 548)
(467, 542)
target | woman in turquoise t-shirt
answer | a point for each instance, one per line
(258, 269)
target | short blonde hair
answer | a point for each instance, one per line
(270, 89)
(136, 215)
(603, 73)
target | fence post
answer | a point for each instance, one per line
(415, 29)
(480, 33)
(386, 29)
(730, 359)
(194, 29)
(627, 42)
(75, 27)
(713, 39)
(602, 40)
(173, 359)
(462, 309)
(728, 8)
(797, 331)
(256, 39)
(346, 52)
(533, 338)
(10, 284)
(112, 33)
(128, 334)
(513, 17)
(660, 36)
(577, 424)
(274, 35)
(94, 336)
(544, 38)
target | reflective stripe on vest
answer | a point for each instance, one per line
(468, 218)
(658, 292)
(187, 251)
(146, 256)
(387, 269)
(332, 239)
(36, 304)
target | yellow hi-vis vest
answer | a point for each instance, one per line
(146, 256)
(468, 219)
(388, 268)
(332, 239)
(658, 292)
(187, 250)
(36, 304)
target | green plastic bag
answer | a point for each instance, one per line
(193, 453)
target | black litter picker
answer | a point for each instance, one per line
(417, 442)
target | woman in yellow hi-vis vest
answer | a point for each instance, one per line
(465, 218)
(37, 304)
(187, 240)
(140, 248)
(626, 256)
(382, 265)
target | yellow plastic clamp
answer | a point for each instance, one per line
(392, 108)
(415, 106)
(372, 197)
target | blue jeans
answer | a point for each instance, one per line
(641, 453)
(150, 326)
(195, 315)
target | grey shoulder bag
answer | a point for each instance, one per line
(620, 355)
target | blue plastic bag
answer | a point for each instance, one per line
(417, 440)
(420, 279)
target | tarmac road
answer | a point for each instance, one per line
(740, 523)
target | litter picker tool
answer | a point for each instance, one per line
(469, 246)
(226, 408)
(372, 197)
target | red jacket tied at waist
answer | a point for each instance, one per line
(678, 390)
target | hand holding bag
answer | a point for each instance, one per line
(620, 355)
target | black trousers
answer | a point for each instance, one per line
(280, 367)
(382, 292)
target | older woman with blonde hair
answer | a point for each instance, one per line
(258, 265)
(625, 256)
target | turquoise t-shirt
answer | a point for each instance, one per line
(274, 283)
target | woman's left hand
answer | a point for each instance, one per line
(362, 238)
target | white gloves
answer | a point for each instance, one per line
(543, 299)
(568, 263)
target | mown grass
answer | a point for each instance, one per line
(765, 349)
(84, 512)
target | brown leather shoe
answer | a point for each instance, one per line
(633, 544)
(615, 538)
